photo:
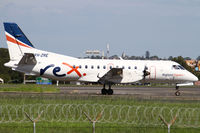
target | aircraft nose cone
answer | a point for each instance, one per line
(191, 77)
(195, 78)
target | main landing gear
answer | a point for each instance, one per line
(105, 91)
(177, 93)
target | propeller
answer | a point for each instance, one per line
(145, 73)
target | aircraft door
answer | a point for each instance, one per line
(152, 72)
(110, 66)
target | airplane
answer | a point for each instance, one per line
(25, 58)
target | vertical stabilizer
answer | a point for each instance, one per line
(17, 42)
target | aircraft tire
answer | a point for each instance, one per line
(177, 93)
(110, 91)
(104, 91)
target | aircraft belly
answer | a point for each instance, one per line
(89, 77)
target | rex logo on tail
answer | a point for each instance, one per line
(27, 59)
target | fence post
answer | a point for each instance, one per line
(93, 121)
(168, 124)
(34, 120)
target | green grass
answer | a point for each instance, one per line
(85, 127)
(28, 88)
(33, 88)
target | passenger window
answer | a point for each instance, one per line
(123, 67)
(129, 67)
(98, 67)
(80, 66)
(92, 67)
(135, 67)
(110, 67)
(104, 67)
(74, 66)
(86, 66)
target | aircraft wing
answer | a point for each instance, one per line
(119, 75)
(114, 75)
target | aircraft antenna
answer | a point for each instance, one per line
(108, 50)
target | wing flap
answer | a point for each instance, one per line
(119, 75)
(114, 75)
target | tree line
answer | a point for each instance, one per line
(7, 74)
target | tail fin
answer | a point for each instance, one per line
(18, 43)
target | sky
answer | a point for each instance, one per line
(163, 27)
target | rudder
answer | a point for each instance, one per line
(18, 43)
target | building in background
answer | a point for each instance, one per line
(43, 81)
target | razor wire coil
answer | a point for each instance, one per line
(119, 114)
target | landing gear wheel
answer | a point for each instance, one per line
(104, 91)
(110, 91)
(177, 93)
(177, 87)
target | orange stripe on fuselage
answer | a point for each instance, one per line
(15, 41)
(177, 75)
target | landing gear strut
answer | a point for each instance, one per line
(177, 93)
(105, 91)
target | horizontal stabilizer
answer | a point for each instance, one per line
(28, 59)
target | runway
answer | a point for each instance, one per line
(189, 93)
(145, 92)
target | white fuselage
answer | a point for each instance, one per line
(25, 58)
(60, 67)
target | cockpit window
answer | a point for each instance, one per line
(181, 67)
(178, 67)
(175, 67)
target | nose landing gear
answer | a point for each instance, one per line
(177, 93)
(105, 91)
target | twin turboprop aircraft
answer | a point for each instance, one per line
(29, 60)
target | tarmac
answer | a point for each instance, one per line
(187, 93)
(145, 92)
